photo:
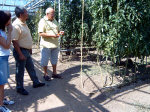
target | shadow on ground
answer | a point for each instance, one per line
(61, 95)
(39, 100)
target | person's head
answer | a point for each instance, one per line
(21, 13)
(5, 19)
(50, 13)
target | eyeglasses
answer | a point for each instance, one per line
(51, 14)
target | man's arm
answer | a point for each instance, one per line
(17, 48)
(46, 35)
(6, 43)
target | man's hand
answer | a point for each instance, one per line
(22, 57)
(30, 51)
(61, 32)
(57, 35)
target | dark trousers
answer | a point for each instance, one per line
(20, 68)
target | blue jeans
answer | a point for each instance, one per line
(20, 68)
(4, 70)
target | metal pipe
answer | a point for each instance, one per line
(29, 3)
(35, 4)
(7, 5)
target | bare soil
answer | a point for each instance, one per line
(93, 91)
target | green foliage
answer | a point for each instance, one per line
(71, 23)
(121, 27)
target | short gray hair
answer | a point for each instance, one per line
(48, 10)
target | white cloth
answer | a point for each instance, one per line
(3, 51)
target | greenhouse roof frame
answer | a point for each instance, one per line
(30, 5)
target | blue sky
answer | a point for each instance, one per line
(4, 3)
(12, 2)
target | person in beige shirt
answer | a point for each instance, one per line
(22, 42)
(48, 29)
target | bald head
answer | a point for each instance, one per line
(50, 13)
(49, 10)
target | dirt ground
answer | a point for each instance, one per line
(68, 94)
